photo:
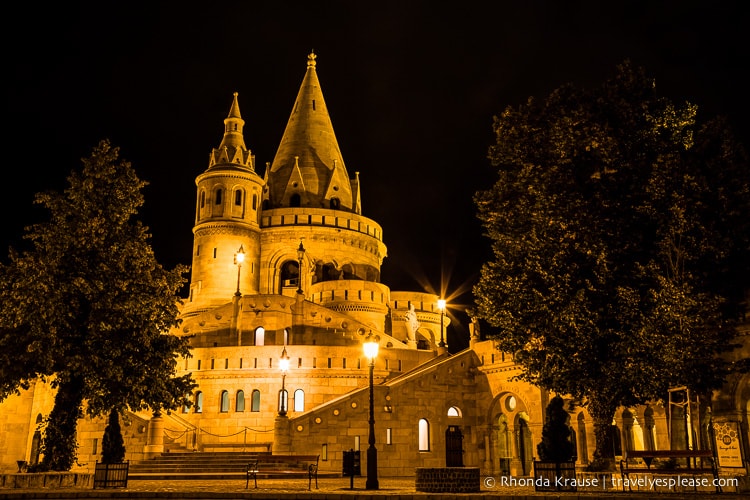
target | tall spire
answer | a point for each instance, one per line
(309, 148)
(232, 149)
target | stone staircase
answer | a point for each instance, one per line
(199, 465)
(192, 465)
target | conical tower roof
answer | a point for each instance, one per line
(308, 169)
(232, 151)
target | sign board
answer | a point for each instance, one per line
(727, 438)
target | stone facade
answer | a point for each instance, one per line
(309, 286)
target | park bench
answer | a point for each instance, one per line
(678, 463)
(283, 466)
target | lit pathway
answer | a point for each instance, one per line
(329, 488)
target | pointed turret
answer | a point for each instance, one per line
(232, 149)
(227, 218)
(308, 169)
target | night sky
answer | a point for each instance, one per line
(411, 86)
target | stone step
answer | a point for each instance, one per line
(167, 476)
(199, 460)
(197, 466)
(203, 465)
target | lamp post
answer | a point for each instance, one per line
(239, 258)
(284, 367)
(441, 306)
(300, 256)
(371, 352)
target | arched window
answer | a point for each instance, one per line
(239, 404)
(454, 411)
(294, 200)
(299, 400)
(524, 442)
(238, 197)
(217, 198)
(199, 402)
(348, 271)
(290, 274)
(224, 401)
(203, 199)
(335, 203)
(260, 336)
(424, 435)
(255, 403)
(255, 201)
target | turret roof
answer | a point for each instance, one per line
(232, 150)
(308, 162)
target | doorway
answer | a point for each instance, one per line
(454, 447)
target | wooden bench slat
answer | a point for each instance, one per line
(307, 465)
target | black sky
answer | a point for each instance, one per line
(411, 87)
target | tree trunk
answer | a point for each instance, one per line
(59, 445)
(602, 414)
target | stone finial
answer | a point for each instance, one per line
(311, 60)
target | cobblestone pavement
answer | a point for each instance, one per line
(328, 488)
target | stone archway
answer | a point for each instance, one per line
(509, 420)
(524, 444)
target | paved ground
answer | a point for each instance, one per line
(333, 489)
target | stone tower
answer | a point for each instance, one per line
(227, 214)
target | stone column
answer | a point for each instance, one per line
(282, 437)
(488, 453)
(155, 440)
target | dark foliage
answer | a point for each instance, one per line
(621, 244)
(557, 436)
(113, 446)
(89, 307)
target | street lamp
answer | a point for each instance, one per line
(239, 258)
(300, 256)
(371, 352)
(441, 306)
(284, 367)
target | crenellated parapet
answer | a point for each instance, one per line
(320, 217)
